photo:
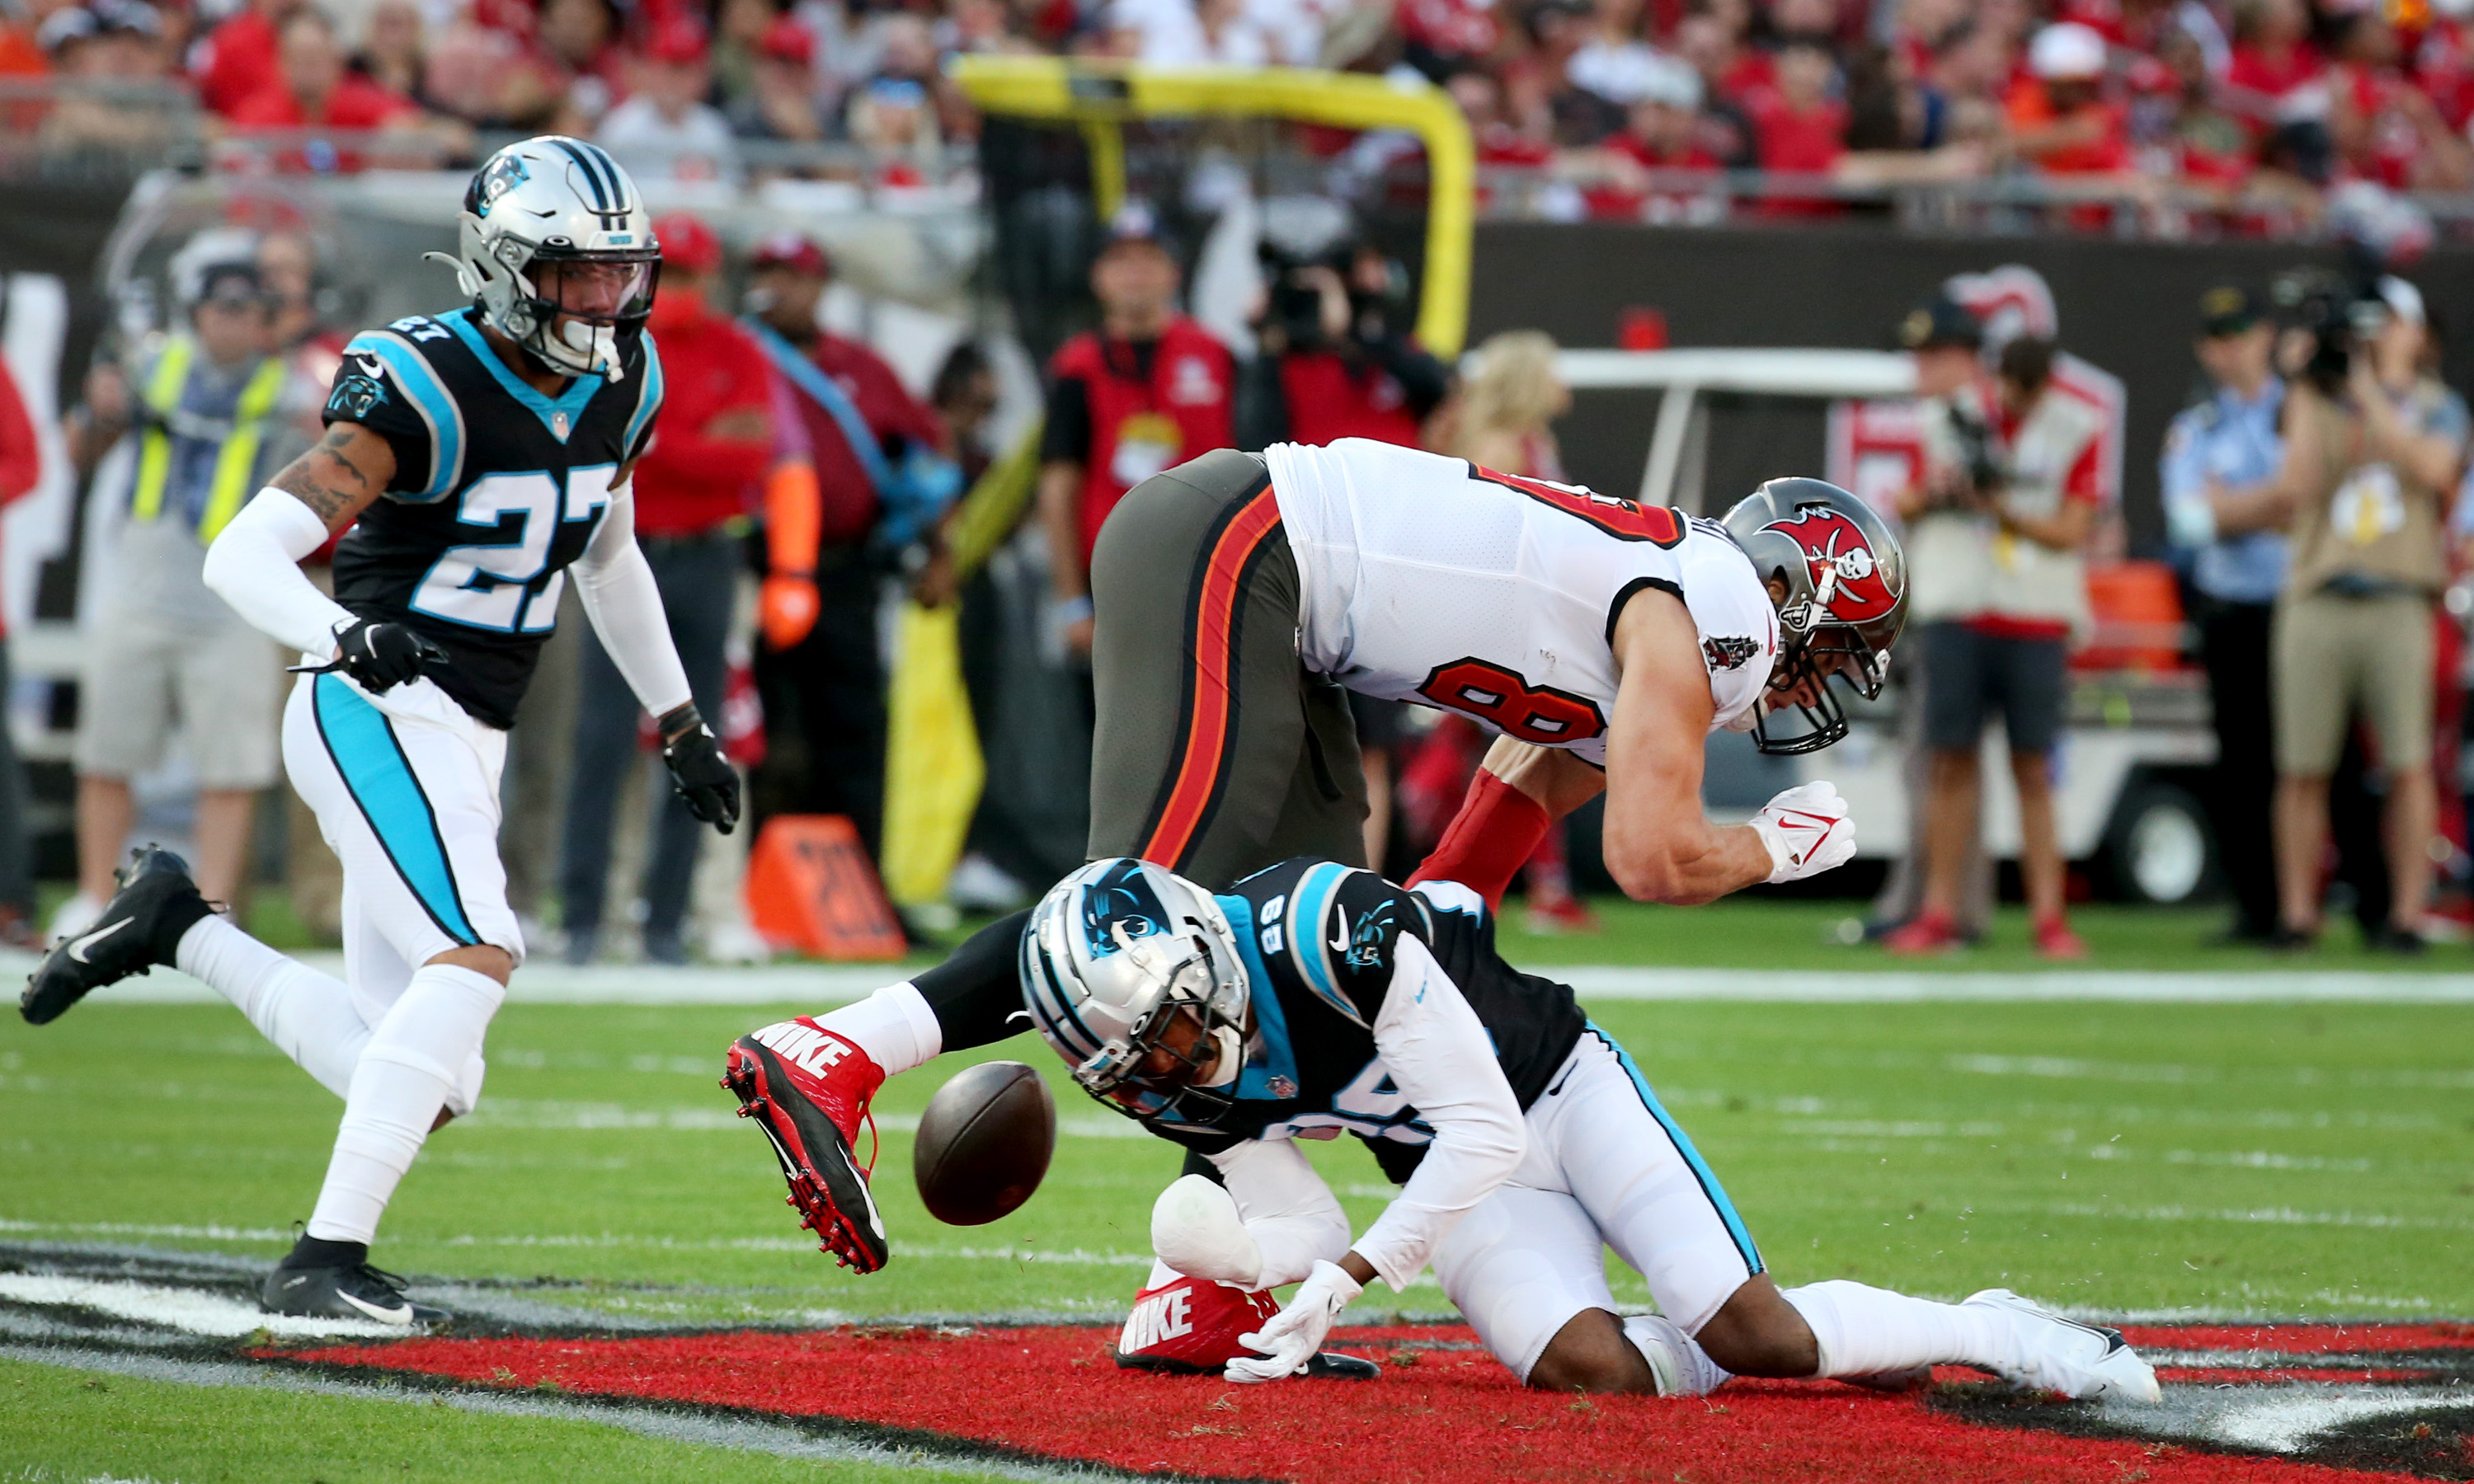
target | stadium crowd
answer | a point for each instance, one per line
(2243, 108)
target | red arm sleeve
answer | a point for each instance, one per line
(21, 456)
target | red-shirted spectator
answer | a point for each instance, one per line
(818, 669)
(578, 43)
(1662, 133)
(1798, 127)
(1148, 390)
(2272, 57)
(239, 58)
(313, 90)
(2059, 119)
(692, 490)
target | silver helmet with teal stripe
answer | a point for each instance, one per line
(557, 251)
(1115, 956)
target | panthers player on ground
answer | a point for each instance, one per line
(1313, 999)
(473, 457)
(1239, 597)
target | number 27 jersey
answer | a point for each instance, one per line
(497, 490)
(1427, 578)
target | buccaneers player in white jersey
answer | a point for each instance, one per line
(1238, 598)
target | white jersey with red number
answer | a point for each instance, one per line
(1429, 579)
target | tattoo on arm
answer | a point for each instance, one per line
(328, 481)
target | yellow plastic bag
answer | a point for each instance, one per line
(932, 769)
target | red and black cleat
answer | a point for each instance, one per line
(807, 1089)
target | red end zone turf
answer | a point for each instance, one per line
(1446, 1415)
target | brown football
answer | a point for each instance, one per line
(984, 1143)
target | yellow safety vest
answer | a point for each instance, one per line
(234, 463)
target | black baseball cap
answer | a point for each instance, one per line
(1940, 321)
(2229, 309)
(234, 281)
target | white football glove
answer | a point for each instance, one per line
(1293, 1336)
(1808, 832)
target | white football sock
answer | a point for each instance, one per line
(894, 1026)
(1864, 1331)
(308, 1015)
(415, 1058)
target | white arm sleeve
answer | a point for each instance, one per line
(255, 565)
(1443, 1061)
(620, 597)
(1295, 1219)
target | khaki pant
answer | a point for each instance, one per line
(2336, 654)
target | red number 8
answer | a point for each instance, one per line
(1497, 696)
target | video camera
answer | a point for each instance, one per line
(2338, 310)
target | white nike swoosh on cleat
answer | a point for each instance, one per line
(385, 1316)
(298, 1282)
(77, 948)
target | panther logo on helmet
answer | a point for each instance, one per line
(1846, 580)
(1122, 899)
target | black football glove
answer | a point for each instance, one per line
(379, 656)
(702, 775)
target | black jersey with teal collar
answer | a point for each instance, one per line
(496, 489)
(1320, 941)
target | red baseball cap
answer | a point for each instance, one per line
(687, 243)
(787, 41)
(794, 250)
(678, 40)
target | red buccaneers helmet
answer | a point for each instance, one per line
(1845, 585)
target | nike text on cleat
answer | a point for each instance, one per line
(809, 1088)
(1190, 1326)
(2081, 1361)
(157, 901)
(356, 1292)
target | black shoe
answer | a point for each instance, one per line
(2388, 938)
(359, 1291)
(137, 929)
(2290, 940)
(1327, 1366)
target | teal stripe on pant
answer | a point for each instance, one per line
(1701, 1171)
(362, 742)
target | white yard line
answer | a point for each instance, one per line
(547, 983)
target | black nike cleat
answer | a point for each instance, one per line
(137, 929)
(359, 1291)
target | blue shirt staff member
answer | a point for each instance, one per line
(2222, 510)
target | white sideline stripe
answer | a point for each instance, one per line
(746, 1434)
(186, 1309)
(543, 983)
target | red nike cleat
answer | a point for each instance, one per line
(807, 1089)
(1190, 1328)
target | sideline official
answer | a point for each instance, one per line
(2222, 508)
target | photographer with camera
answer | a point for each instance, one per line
(1336, 360)
(2013, 482)
(2373, 448)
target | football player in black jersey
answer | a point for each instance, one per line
(472, 459)
(1314, 998)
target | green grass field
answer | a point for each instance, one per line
(2259, 1159)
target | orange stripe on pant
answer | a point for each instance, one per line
(1211, 710)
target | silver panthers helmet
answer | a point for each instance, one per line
(1115, 952)
(557, 251)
